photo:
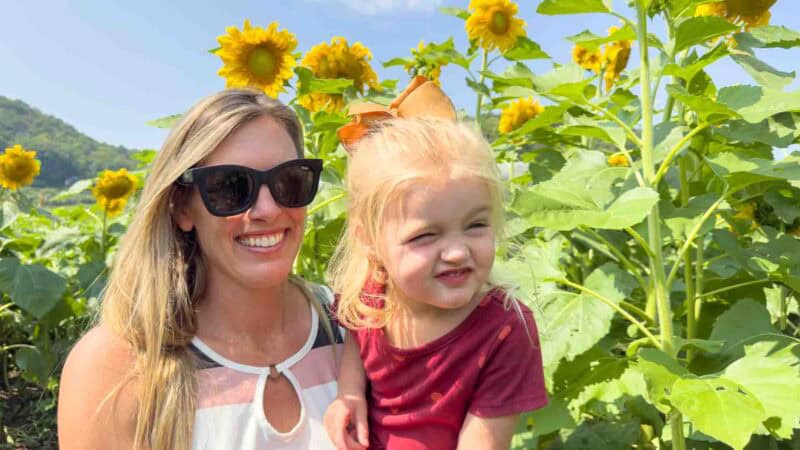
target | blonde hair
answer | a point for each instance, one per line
(158, 274)
(382, 166)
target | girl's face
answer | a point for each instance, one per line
(254, 249)
(438, 245)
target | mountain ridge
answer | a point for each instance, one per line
(66, 153)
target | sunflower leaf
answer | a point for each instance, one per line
(34, 288)
(556, 7)
(525, 49)
(165, 122)
(461, 13)
(697, 30)
(769, 37)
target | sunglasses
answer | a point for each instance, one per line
(228, 190)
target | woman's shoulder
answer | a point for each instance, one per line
(96, 376)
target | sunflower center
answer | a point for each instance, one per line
(499, 23)
(262, 62)
(117, 189)
(18, 169)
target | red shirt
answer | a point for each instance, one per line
(488, 366)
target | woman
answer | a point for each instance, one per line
(205, 339)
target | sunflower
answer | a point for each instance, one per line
(517, 113)
(257, 57)
(751, 13)
(338, 60)
(494, 25)
(113, 188)
(615, 58)
(618, 160)
(18, 167)
(422, 64)
(589, 60)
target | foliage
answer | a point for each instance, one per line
(660, 254)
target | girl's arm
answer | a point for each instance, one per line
(95, 367)
(349, 410)
(487, 433)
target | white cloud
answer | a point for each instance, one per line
(373, 7)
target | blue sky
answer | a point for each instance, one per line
(107, 66)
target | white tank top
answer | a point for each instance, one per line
(230, 410)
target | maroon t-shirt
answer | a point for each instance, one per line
(489, 365)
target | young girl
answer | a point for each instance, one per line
(436, 357)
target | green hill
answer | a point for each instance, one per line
(66, 153)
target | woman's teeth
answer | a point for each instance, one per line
(262, 241)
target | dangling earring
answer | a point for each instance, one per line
(374, 290)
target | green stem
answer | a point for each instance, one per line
(690, 238)
(698, 279)
(613, 306)
(688, 274)
(640, 240)
(613, 117)
(782, 318)
(654, 219)
(619, 255)
(484, 66)
(732, 287)
(674, 151)
(325, 203)
(104, 235)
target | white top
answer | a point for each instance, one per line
(230, 404)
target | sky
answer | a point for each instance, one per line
(108, 66)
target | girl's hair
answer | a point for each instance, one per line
(159, 274)
(382, 166)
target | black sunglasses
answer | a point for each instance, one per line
(228, 190)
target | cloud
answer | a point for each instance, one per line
(374, 7)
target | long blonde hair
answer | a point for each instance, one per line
(158, 274)
(382, 166)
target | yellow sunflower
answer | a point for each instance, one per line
(18, 167)
(494, 25)
(517, 113)
(615, 58)
(751, 13)
(257, 57)
(113, 188)
(618, 160)
(589, 60)
(338, 60)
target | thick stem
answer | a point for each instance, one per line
(654, 219)
(688, 275)
(104, 235)
(484, 66)
(782, 318)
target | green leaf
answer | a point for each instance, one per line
(775, 385)
(591, 41)
(660, 373)
(398, 62)
(34, 288)
(755, 103)
(707, 109)
(719, 407)
(688, 72)
(697, 30)
(165, 122)
(769, 37)
(479, 87)
(553, 417)
(566, 81)
(781, 130)
(572, 323)
(762, 72)
(601, 435)
(525, 49)
(746, 318)
(456, 12)
(37, 365)
(740, 172)
(76, 188)
(556, 7)
(517, 74)
(558, 208)
(785, 203)
(329, 85)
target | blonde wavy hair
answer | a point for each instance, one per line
(158, 274)
(398, 154)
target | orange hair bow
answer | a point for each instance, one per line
(421, 98)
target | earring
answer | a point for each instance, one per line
(374, 289)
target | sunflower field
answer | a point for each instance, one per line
(651, 228)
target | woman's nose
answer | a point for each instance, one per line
(265, 207)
